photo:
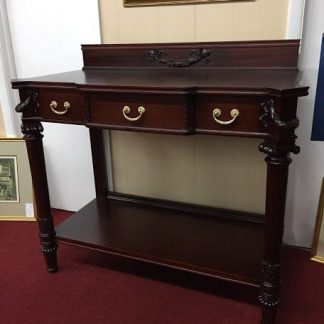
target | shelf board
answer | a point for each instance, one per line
(205, 244)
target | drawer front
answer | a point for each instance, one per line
(154, 113)
(62, 106)
(228, 114)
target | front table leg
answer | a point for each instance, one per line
(277, 161)
(32, 131)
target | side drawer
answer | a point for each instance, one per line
(63, 106)
(228, 114)
(147, 112)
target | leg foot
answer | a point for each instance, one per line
(51, 263)
(50, 258)
(269, 314)
(269, 294)
(48, 243)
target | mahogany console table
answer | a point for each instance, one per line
(228, 88)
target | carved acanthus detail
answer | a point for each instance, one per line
(275, 156)
(267, 149)
(278, 152)
(268, 113)
(32, 130)
(193, 58)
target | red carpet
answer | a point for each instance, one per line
(88, 289)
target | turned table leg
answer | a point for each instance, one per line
(277, 175)
(32, 130)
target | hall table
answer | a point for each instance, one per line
(245, 89)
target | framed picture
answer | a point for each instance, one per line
(9, 191)
(143, 3)
(317, 252)
(16, 191)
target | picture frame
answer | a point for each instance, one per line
(16, 190)
(144, 3)
(317, 251)
(9, 189)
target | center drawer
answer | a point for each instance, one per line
(147, 112)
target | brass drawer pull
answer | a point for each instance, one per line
(53, 105)
(126, 111)
(217, 112)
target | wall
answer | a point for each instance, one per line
(199, 169)
(2, 127)
(307, 170)
(203, 22)
(46, 38)
(8, 97)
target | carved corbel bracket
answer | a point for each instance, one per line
(163, 58)
(268, 113)
(278, 149)
(31, 99)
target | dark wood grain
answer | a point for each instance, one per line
(207, 245)
(283, 53)
(248, 120)
(32, 130)
(170, 113)
(186, 207)
(179, 85)
(232, 81)
(99, 162)
(75, 114)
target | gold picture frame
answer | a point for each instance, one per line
(16, 190)
(144, 3)
(317, 252)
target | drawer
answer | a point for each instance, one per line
(62, 106)
(147, 112)
(228, 114)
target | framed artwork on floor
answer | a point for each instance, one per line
(16, 191)
(317, 252)
(9, 191)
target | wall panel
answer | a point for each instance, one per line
(202, 169)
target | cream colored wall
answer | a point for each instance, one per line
(215, 171)
(2, 127)
(259, 19)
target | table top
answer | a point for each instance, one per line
(200, 80)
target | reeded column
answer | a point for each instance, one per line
(277, 174)
(277, 147)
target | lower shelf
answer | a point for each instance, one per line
(210, 245)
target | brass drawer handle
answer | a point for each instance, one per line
(126, 111)
(217, 112)
(53, 105)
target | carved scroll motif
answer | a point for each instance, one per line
(163, 58)
(31, 99)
